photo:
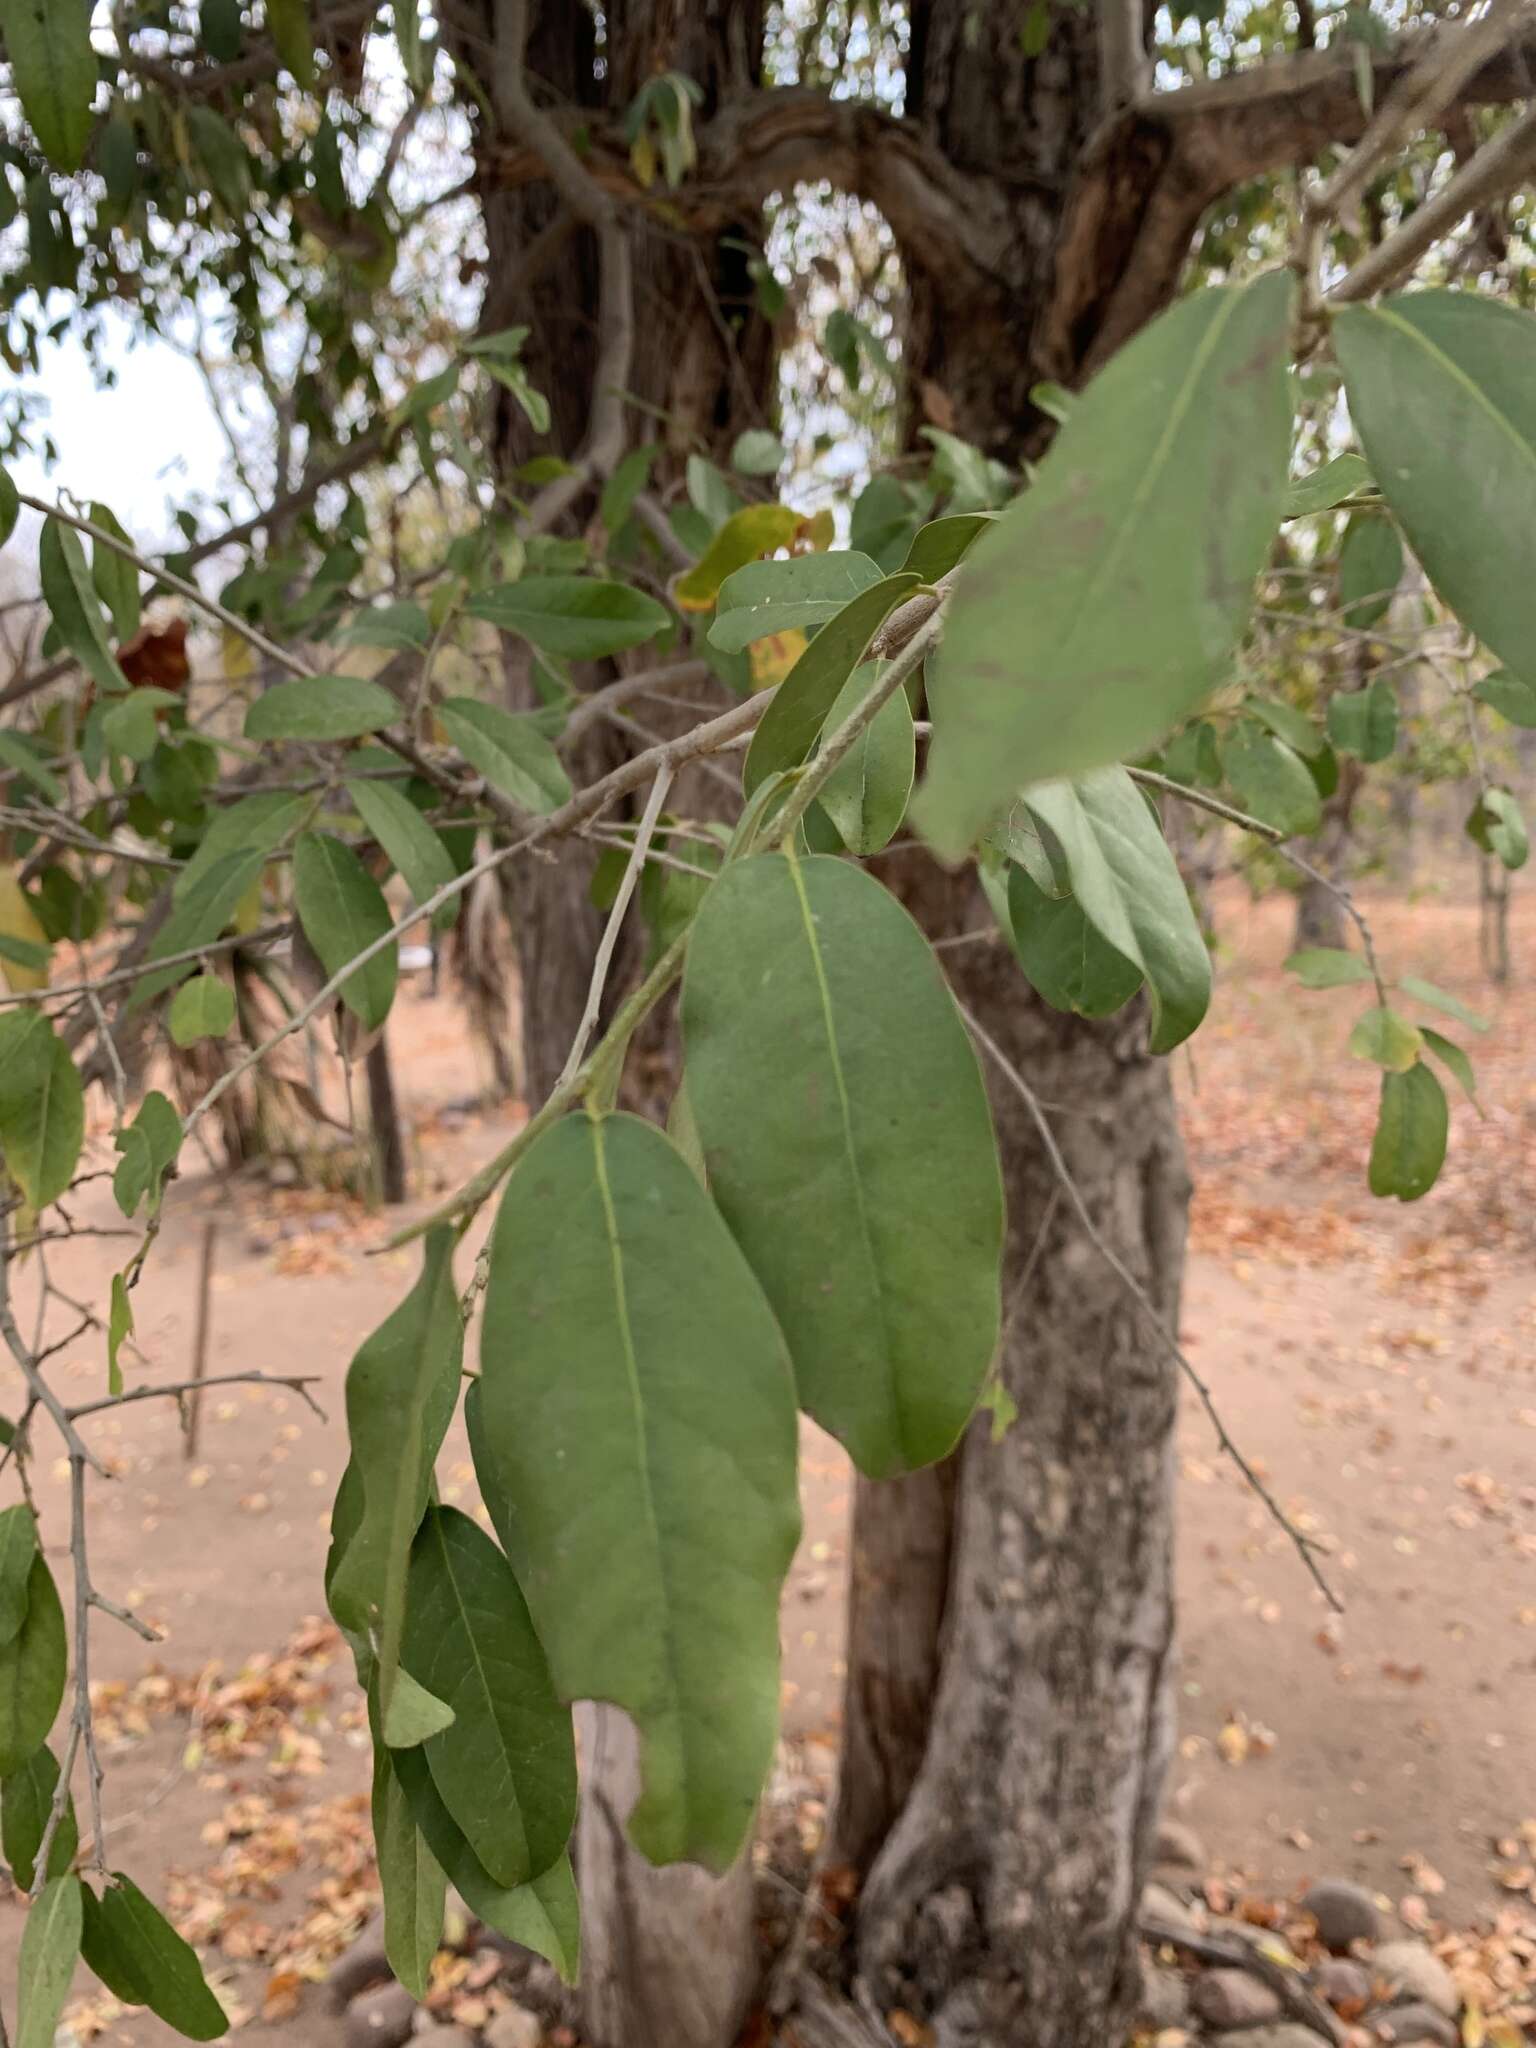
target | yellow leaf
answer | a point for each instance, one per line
(754, 531)
(642, 160)
(772, 657)
(237, 654)
(17, 921)
(1233, 1742)
(817, 533)
(248, 910)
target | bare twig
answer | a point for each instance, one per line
(193, 1409)
(299, 1384)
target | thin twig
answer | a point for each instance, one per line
(299, 1384)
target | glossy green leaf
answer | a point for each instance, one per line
(342, 910)
(937, 547)
(506, 1769)
(50, 1948)
(1140, 512)
(1370, 568)
(10, 507)
(410, 842)
(1442, 389)
(70, 596)
(140, 1957)
(26, 1801)
(510, 750)
(321, 708)
(115, 577)
(1065, 957)
(582, 618)
(198, 917)
(1391, 1041)
(1412, 1125)
(1327, 485)
(288, 21)
(1497, 825)
(32, 1666)
(630, 1363)
(774, 597)
(18, 1547)
(1364, 722)
(413, 1713)
(402, 1388)
(149, 1146)
(1441, 999)
(1327, 967)
(203, 1007)
(1455, 1062)
(866, 794)
(1128, 885)
(849, 1146)
(413, 1882)
(1270, 782)
(42, 1107)
(53, 73)
(1510, 695)
(788, 728)
(1286, 723)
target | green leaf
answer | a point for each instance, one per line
(342, 910)
(149, 1146)
(1065, 958)
(224, 158)
(413, 1713)
(222, 29)
(18, 1547)
(758, 453)
(70, 596)
(50, 1948)
(1364, 722)
(32, 1666)
(1411, 1129)
(866, 794)
(409, 840)
(141, 1959)
(510, 749)
(129, 726)
(544, 1915)
(1442, 388)
(615, 1294)
(580, 617)
(255, 825)
(1391, 1041)
(53, 73)
(628, 480)
(937, 547)
(1326, 486)
(288, 21)
(18, 752)
(970, 479)
(506, 1769)
(26, 1800)
(709, 492)
(119, 1330)
(42, 1107)
(1440, 999)
(755, 530)
(1370, 568)
(10, 507)
(849, 1146)
(203, 1007)
(788, 728)
(1327, 967)
(1138, 512)
(397, 626)
(199, 915)
(1498, 827)
(1456, 1063)
(1288, 724)
(401, 1391)
(774, 597)
(116, 578)
(1270, 782)
(1128, 885)
(413, 1882)
(1510, 695)
(840, 339)
(321, 708)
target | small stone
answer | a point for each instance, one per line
(1284, 2034)
(1412, 1971)
(439, 2035)
(1409, 2025)
(513, 2027)
(1232, 1998)
(382, 2018)
(1160, 1904)
(1343, 1983)
(1164, 2000)
(364, 1963)
(1178, 1846)
(1344, 1913)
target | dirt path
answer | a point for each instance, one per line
(1381, 1363)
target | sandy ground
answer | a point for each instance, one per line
(1380, 1361)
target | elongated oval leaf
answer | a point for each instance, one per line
(18, 1547)
(198, 917)
(849, 1146)
(1326, 486)
(1327, 967)
(53, 73)
(1364, 722)
(255, 826)
(26, 1799)
(1442, 388)
(938, 546)
(510, 751)
(774, 597)
(321, 708)
(1270, 782)
(413, 1882)
(115, 577)
(580, 617)
(630, 1362)
(1497, 825)
(32, 1667)
(1441, 999)
(342, 910)
(1105, 602)
(506, 1769)
(755, 530)
(1510, 695)
(1064, 955)
(409, 841)
(50, 1947)
(1455, 1062)
(1370, 566)
(70, 596)
(1412, 1125)
(140, 1957)
(42, 1107)
(866, 794)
